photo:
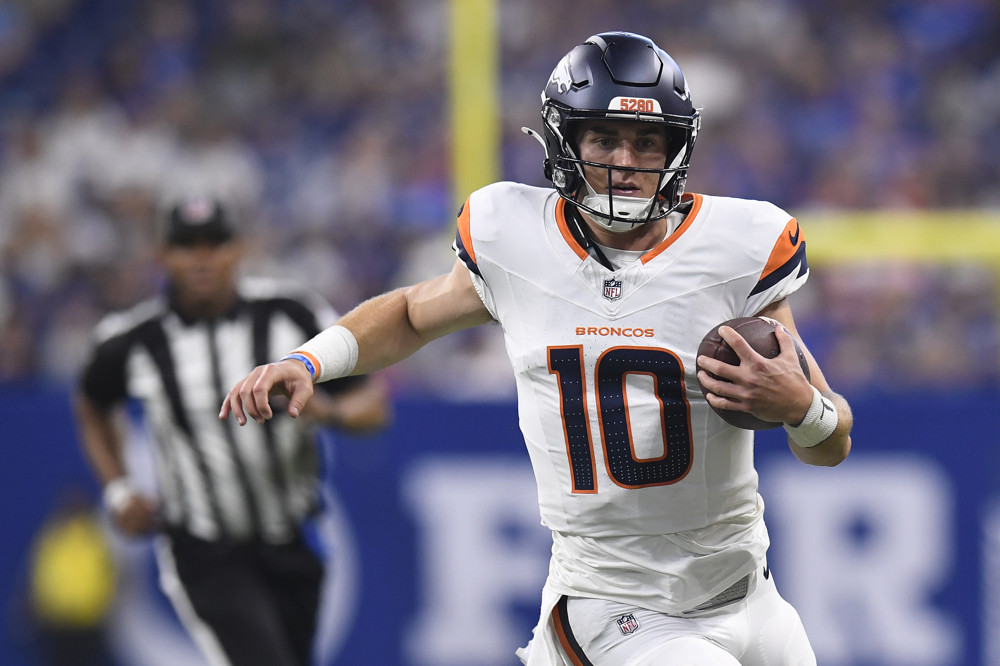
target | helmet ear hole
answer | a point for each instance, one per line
(565, 177)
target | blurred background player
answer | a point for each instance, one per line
(604, 288)
(233, 505)
(71, 587)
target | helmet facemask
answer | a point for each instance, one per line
(614, 212)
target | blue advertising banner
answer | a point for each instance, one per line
(438, 558)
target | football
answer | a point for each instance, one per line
(759, 332)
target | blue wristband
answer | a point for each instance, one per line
(305, 360)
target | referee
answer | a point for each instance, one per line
(232, 502)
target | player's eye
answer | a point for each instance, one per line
(651, 143)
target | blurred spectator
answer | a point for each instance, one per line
(327, 122)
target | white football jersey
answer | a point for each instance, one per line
(621, 440)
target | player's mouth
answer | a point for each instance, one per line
(626, 190)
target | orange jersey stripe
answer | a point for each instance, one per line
(785, 247)
(667, 242)
(684, 226)
(464, 229)
(564, 229)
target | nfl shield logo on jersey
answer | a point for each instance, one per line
(612, 289)
(628, 624)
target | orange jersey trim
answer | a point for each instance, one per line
(564, 229)
(465, 229)
(649, 256)
(684, 226)
(785, 247)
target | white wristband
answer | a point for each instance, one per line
(819, 423)
(335, 352)
(117, 494)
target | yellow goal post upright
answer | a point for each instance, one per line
(474, 95)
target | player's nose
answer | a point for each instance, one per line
(626, 155)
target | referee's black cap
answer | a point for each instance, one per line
(197, 219)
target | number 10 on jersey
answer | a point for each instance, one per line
(610, 371)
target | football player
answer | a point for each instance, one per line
(604, 286)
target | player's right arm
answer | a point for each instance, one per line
(387, 328)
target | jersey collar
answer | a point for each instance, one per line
(574, 244)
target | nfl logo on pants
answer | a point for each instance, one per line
(628, 624)
(612, 289)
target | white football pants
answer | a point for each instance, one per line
(761, 630)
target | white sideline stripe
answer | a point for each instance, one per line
(172, 587)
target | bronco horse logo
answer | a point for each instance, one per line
(561, 77)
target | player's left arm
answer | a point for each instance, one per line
(835, 448)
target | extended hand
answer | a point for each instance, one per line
(289, 377)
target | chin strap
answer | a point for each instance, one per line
(610, 209)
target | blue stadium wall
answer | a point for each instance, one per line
(438, 558)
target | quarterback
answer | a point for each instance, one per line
(604, 286)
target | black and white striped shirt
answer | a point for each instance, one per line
(217, 481)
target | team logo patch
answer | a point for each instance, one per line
(612, 289)
(627, 624)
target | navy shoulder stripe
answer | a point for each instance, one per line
(797, 261)
(464, 255)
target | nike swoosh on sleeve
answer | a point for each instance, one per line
(794, 238)
(787, 255)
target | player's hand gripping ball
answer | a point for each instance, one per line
(759, 332)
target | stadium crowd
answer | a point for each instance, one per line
(325, 123)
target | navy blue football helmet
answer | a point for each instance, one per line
(625, 76)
